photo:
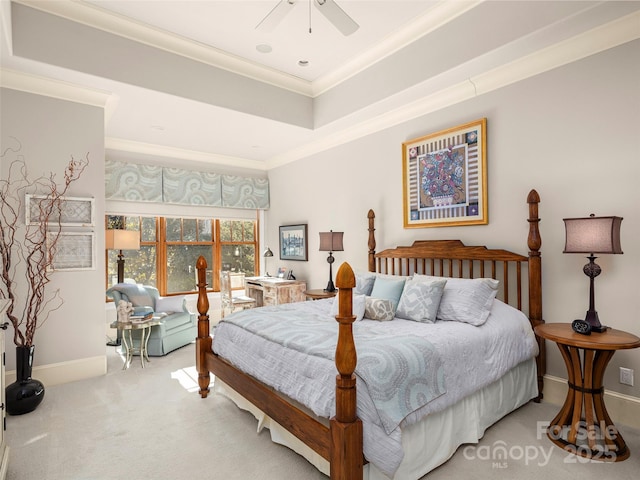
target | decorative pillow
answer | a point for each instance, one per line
(136, 293)
(357, 306)
(379, 309)
(388, 287)
(364, 283)
(467, 300)
(170, 304)
(420, 299)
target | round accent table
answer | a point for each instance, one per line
(129, 347)
(318, 294)
(583, 426)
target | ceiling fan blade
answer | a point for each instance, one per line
(275, 16)
(337, 16)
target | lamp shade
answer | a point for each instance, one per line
(592, 235)
(122, 240)
(331, 241)
(267, 253)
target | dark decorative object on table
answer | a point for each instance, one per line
(26, 393)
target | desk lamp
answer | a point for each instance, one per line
(331, 242)
(267, 253)
(592, 235)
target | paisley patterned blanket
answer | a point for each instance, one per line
(402, 373)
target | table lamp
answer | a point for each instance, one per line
(121, 240)
(331, 242)
(593, 235)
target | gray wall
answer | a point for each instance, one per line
(52, 131)
(571, 133)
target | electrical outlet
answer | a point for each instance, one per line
(626, 376)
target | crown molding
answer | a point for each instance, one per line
(439, 15)
(142, 148)
(96, 17)
(49, 87)
(604, 37)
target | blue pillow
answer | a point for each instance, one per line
(388, 288)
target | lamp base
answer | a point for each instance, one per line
(592, 319)
(330, 287)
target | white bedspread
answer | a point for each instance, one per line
(473, 358)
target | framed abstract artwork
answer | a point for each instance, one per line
(293, 242)
(444, 177)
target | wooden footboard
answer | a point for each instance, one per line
(341, 443)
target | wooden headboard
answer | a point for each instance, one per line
(452, 258)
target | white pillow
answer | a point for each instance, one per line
(420, 299)
(466, 300)
(357, 304)
(170, 304)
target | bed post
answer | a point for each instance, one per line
(203, 341)
(372, 241)
(535, 284)
(346, 428)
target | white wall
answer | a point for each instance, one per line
(52, 131)
(571, 133)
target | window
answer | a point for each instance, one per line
(170, 247)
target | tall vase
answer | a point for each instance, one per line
(25, 394)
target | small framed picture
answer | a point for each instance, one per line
(293, 242)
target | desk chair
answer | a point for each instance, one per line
(229, 302)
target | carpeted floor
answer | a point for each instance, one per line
(152, 424)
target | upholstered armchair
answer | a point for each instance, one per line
(177, 326)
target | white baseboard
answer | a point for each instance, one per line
(65, 372)
(623, 409)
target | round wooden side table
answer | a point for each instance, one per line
(318, 294)
(583, 426)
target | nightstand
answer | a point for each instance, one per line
(583, 426)
(318, 294)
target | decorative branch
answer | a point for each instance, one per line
(29, 250)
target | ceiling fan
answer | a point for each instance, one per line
(329, 8)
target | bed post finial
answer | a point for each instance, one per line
(346, 428)
(203, 341)
(372, 241)
(534, 243)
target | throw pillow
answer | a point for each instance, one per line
(357, 305)
(135, 293)
(379, 309)
(364, 283)
(467, 300)
(420, 300)
(170, 304)
(388, 288)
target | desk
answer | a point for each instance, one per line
(145, 333)
(274, 291)
(583, 426)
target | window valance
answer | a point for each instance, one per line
(150, 183)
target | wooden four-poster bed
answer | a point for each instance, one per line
(339, 440)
